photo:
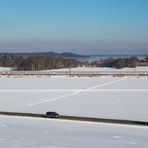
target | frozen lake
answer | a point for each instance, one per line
(103, 97)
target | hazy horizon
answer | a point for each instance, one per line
(78, 26)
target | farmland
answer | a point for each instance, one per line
(108, 97)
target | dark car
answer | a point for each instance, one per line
(52, 115)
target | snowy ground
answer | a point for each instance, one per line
(5, 69)
(104, 97)
(140, 68)
(16, 132)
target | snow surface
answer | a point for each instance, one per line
(103, 97)
(16, 132)
(5, 69)
(140, 68)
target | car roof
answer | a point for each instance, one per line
(51, 112)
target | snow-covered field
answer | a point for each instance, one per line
(103, 97)
(16, 132)
(140, 68)
(5, 69)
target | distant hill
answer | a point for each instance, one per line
(48, 54)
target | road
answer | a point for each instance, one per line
(76, 118)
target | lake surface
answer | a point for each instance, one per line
(98, 57)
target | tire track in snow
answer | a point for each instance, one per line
(60, 90)
(51, 100)
(38, 90)
(37, 102)
(105, 84)
(77, 90)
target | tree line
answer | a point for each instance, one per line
(37, 62)
(46, 63)
(121, 62)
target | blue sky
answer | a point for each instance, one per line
(81, 26)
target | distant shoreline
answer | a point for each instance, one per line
(92, 58)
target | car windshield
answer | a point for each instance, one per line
(51, 113)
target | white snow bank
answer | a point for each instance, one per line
(5, 69)
(46, 133)
(142, 68)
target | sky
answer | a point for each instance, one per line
(79, 26)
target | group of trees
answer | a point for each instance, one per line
(121, 62)
(45, 62)
(37, 62)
